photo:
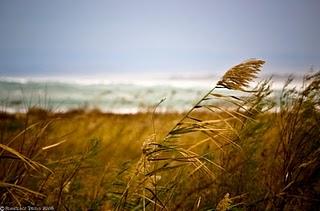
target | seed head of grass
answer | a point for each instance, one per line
(225, 203)
(239, 76)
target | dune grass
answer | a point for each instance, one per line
(243, 154)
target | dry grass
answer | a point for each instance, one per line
(236, 155)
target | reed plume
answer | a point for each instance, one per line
(239, 76)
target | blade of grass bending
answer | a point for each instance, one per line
(23, 158)
(9, 185)
(235, 78)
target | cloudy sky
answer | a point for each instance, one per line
(64, 37)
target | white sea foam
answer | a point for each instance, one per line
(116, 95)
(127, 80)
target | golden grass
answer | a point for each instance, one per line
(238, 156)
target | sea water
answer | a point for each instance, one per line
(116, 96)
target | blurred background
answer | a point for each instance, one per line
(125, 56)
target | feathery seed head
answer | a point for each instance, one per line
(239, 76)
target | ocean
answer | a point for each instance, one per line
(115, 96)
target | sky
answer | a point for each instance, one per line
(174, 37)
